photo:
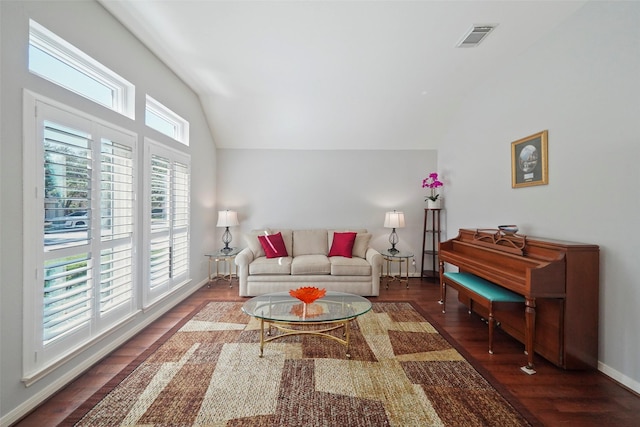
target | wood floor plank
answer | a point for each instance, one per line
(557, 397)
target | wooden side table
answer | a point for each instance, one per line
(401, 258)
(224, 257)
(430, 243)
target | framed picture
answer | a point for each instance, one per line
(529, 161)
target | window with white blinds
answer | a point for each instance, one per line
(79, 231)
(168, 214)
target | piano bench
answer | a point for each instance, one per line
(482, 292)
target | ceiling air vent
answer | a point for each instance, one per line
(475, 35)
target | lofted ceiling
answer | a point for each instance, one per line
(334, 74)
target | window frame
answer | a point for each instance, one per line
(40, 358)
(37, 365)
(123, 92)
(152, 296)
(180, 126)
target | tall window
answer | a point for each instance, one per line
(83, 199)
(168, 213)
(83, 223)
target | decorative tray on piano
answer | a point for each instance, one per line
(501, 241)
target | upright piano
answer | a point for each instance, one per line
(559, 281)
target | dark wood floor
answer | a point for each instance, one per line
(555, 396)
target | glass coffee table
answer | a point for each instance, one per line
(291, 316)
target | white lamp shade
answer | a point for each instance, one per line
(227, 219)
(394, 220)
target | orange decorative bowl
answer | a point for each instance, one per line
(307, 294)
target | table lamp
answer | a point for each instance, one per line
(227, 219)
(394, 220)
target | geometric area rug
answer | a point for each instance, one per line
(206, 372)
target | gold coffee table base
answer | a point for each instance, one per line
(288, 330)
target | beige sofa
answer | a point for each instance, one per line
(308, 264)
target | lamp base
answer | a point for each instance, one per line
(226, 239)
(393, 239)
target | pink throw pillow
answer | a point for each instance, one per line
(273, 245)
(342, 244)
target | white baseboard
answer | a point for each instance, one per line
(630, 383)
(30, 404)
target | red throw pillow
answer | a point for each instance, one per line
(342, 244)
(273, 245)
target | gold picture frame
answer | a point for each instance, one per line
(529, 161)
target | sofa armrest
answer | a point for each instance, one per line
(374, 258)
(244, 258)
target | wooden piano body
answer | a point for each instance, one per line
(558, 279)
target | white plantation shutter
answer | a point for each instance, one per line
(180, 251)
(160, 196)
(65, 153)
(117, 191)
(67, 297)
(117, 200)
(67, 157)
(83, 256)
(168, 214)
(116, 278)
(160, 247)
(160, 264)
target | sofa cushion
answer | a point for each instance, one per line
(287, 236)
(273, 245)
(264, 265)
(310, 264)
(341, 266)
(251, 238)
(361, 245)
(310, 242)
(342, 244)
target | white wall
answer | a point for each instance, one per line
(90, 28)
(581, 82)
(332, 189)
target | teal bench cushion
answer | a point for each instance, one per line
(482, 287)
